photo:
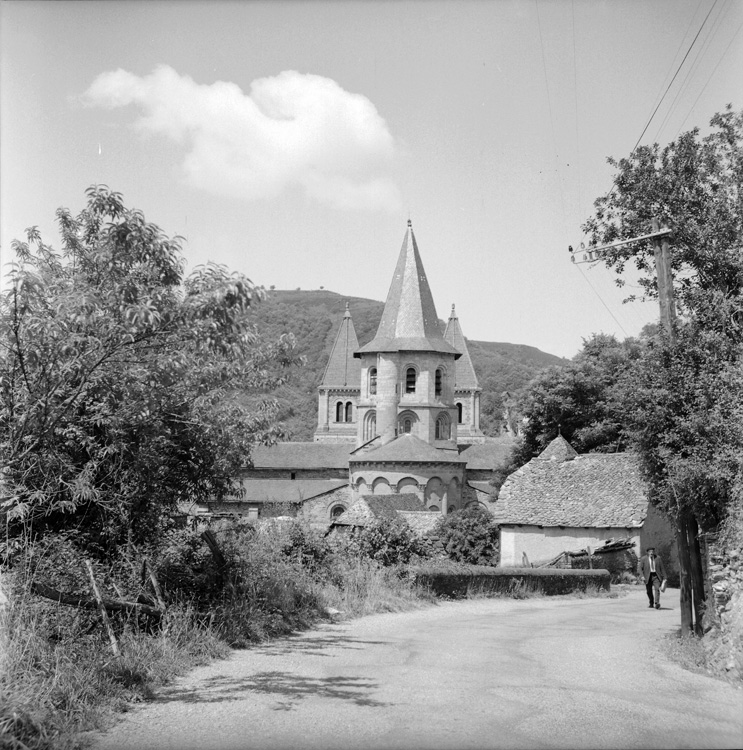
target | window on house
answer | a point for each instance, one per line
(373, 381)
(410, 376)
(459, 413)
(349, 412)
(339, 412)
(439, 380)
(443, 430)
(337, 511)
(407, 425)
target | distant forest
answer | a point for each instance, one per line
(314, 318)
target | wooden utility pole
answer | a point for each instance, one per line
(683, 522)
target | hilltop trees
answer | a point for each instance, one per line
(116, 375)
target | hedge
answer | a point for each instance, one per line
(458, 581)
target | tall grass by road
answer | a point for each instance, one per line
(58, 677)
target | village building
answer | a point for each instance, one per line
(399, 415)
(562, 501)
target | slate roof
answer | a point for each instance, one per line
(287, 490)
(369, 508)
(407, 448)
(594, 490)
(342, 369)
(409, 321)
(464, 372)
(302, 456)
(558, 450)
(422, 522)
(494, 452)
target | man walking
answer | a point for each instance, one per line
(654, 574)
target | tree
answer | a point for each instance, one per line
(118, 378)
(684, 403)
(469, 536)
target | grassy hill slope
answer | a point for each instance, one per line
(314, 317)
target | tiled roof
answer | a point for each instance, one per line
(342, 369)
(409, 321)
(407, 448)
(286, 490)
(464, 372)
(494, 452)
(484, 488)
(373, 507)
(422, 522)
(592, 490)
(558, 450)
(302, 456)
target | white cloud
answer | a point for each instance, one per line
(291, 129)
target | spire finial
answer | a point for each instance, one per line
(453, 311)
(410, 223)
(347, 314)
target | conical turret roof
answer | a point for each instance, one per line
(342, 369)
(464, 372)
(409, 321)
(559, 450)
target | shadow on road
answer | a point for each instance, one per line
(292, 687)
(313, 646)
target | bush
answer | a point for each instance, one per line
(469, 536)
(387, 542)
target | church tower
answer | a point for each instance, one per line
(407, 414)
(338, 392)
(466, 387)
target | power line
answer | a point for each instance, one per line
(706, 83)
(601, 300)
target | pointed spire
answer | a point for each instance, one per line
(464, 371)
(409, 321)
(342, 369)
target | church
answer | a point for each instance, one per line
(398, 421)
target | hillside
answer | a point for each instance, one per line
(314, 317)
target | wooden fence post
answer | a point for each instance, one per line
(102, 610)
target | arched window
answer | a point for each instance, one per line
(349, 412)
(373, 381)
(439, 381)
(407, 425)
(410, 377)
(339, 412)
(370, 426)
(443, 430)
(459, 413)
(336, 512)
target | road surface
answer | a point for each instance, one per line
(487, 673)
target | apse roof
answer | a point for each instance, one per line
(409, 321)
(407, 448)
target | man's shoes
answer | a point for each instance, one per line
(650, 606)
(657, 606)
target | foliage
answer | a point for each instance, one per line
(469, 536)
(387, 541)
(683, 400)
(118, 374)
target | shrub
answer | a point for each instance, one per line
(388, 542)
(469, 536)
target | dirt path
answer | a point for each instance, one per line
(540, 673)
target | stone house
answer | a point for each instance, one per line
(562, 501)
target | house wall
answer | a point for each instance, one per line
(542, 544)
(317, 510)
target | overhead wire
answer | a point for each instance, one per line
(711, 75)
(693, 67)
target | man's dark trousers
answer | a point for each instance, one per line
(653, 588)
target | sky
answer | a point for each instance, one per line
(292, 141)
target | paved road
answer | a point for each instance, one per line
(538, 673)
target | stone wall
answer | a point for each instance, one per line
(724, 617)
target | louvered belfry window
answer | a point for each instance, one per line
(410, 376)
(439, 380)
(373, 381)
